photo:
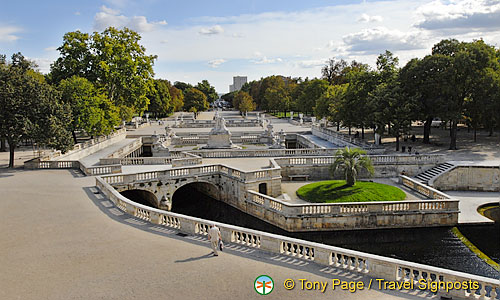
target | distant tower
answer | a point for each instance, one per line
(238, 82)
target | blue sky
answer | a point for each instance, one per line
(216, 40)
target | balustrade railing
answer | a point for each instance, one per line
(353, 261)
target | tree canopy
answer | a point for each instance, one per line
(31, 108)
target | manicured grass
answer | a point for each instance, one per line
(335, 191)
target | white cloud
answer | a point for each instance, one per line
(77, 13)
(50, 49)
(237, 35)
(9, 33)
(109, 10)
(216, 62)
(265, 60)
(110, 17)
(460, 15)
(216, 29)
(365, 18)
(307, 64)
(376, 40)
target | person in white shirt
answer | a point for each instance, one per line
(214, 237)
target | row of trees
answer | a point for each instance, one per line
(99, 80)
(458, 81)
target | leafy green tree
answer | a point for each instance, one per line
(229, 97)
(243, 102)
(310, 93)
(182, 86)
(351, 161)
(113, 61)
(160, 101)
(91, 111)
(208, 90)
(277, 99)
(195, 98)
(330, 103)
(272, 82)
(177, 97)
(31, 108)
(356, 105)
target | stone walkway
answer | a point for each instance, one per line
(59, 240)
(469, 203)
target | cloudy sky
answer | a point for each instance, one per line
(216, 40)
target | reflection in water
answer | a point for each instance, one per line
(432, 246)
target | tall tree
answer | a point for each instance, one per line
(160, 101)
(195, 98)
(310, 93)
(113, 60)
(31, 108)
(243, 102)
(209, 91)
(91, 111)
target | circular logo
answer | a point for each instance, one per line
(263, 285)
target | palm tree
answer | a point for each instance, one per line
(352, 161)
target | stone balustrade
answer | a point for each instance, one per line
(376, 160)
(422, 188)
(235, 153)
(375, 266)
(352, 208)
(211, 123)
(343, 140)
(191, 171)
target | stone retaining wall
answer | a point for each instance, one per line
(470, 178)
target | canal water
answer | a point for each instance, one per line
(436, 246)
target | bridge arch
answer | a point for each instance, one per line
(184, 191)
(141, 196)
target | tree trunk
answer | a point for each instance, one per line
(475, 134)
(362, 132)
(349, 179)
(338, 126)
(2, 145)
(397, 142)
(12, 148)
(453, 135)
(427, 130)
(74, 137)
(491, 131)
(349, 130)
(388, 128)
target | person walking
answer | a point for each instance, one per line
(214, 237)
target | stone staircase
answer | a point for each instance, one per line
(427, 175)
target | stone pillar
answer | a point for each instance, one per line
(291, 115)
(301, 121)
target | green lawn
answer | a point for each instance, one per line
(335, 191)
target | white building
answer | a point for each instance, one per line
(238, 82)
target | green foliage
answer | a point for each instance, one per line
(208, 90)
(336, 191)
(160, 101)
(329, 105)
(113, 61)
(31, 108)
(177, 97)
(195, 98)
(243, 102)
(351, 161)
(311, 92)
(91, 111)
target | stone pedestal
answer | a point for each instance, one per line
(219, 137)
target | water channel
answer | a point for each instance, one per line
(436, 246)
